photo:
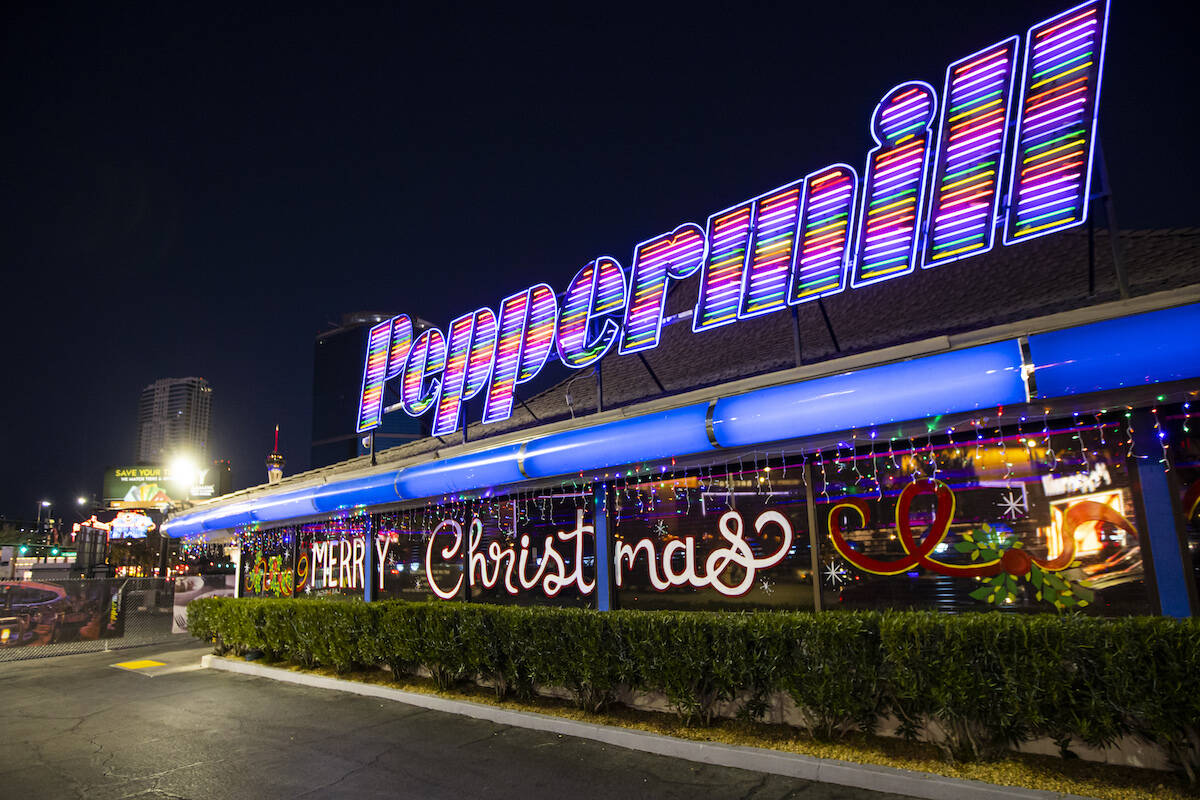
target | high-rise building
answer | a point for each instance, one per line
(174, 417)
(337, 377)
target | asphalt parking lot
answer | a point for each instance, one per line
(78, 726)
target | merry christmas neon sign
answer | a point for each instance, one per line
(932, 192)
(516, 567)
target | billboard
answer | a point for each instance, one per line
(139, 487)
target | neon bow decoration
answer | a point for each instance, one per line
(1013, 561)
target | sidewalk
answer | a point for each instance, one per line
(822, 770)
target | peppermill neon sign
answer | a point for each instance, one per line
(932, 191)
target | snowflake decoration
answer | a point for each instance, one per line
(836, 574)
(418, 583)
(1013, 505)
(766, 586)
(660, 529)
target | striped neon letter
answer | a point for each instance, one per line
(525, 336)
(974, 135)
(472, 344)
(1056, 131)
(595, 294)
(419, 389)
(894, 187)
(674, 255)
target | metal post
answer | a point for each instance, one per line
(601, 526)
(294, 557)
(371, 437)
(237, 571)
(796, 336)
(1169, 566)
(828, 326)
(369, 565)
(814, 537)
(599, 387)
(1110, 212)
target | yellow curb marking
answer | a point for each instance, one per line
(140, 664)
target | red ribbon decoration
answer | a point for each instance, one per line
(1191, 500)
(917, 554)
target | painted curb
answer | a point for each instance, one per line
(823, 770)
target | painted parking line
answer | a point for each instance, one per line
(140, 664)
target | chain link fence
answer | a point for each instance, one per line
(59, 617)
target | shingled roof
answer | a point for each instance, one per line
(1009, 284)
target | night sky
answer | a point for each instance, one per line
(201, 191)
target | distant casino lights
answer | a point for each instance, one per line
(931, 193)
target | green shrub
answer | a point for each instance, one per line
(832, 666)
(578, 650)
(966, 678)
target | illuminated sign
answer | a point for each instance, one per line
(932, 192)
(517, 568)
(131, 525)
(338, 563)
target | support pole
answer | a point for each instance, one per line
(1110, 212)
(294, 557)
(814, 537)
(599, 387)
(602, 525)
(1169, 561)
(370, 568)
(796, 336)
(828, 326)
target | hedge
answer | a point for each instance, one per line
(973, 684)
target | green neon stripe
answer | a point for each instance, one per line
(983, 167)
(954, 110)
(1059, 67)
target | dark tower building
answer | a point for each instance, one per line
(337, 378)
(174, 417)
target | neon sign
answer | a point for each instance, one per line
(932, 192)
(516, 568)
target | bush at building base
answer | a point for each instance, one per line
(973, 684)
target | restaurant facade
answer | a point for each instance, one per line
(928, 380)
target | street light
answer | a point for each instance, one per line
(81, 500)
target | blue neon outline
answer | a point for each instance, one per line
(1087, 180)
(867, 183)
(669, 275)
(927, 216)
(610, 328)
(847, 247)
(399, 319)
(365, 425)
